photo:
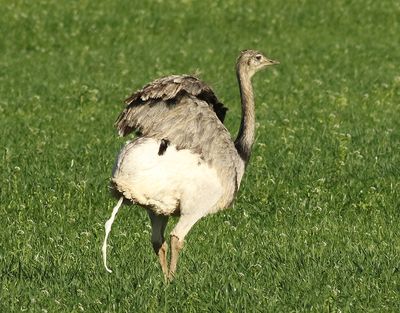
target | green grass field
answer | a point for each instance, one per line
(315, 227)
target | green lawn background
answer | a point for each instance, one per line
(315, 226)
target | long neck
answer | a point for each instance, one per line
(245, 137)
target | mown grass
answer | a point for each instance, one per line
(315, 226)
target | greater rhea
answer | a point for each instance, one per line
(183, 161)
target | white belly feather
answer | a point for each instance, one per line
(175, 179)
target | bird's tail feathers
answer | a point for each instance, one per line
(108, 225)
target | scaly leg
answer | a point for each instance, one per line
(178, 234)
(176, 246)
(162, 258)
(158, 225)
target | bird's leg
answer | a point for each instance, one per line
(158, 225)
(178, 234)
(176, 246)
(162, 257)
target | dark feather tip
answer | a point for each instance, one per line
(163, 146)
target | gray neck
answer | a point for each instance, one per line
(245, 137)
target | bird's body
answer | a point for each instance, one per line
(184, 161)
(167, 184)
(199, 149)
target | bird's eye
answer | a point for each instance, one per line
(258, 57)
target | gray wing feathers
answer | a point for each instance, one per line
(160, 90)
(190, 124)
(182, 109)
(167, 89)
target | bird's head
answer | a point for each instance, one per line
(252, 61)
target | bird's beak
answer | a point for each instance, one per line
(268, 62)
(272, 62)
